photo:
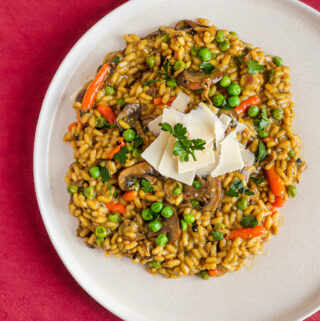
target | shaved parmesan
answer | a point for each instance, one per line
(206, 170)
(154, 152)
(230, 156)
(154, 125)
(168, 166)
(247, 157)
(240, 127)
(172, 116)
(226, 120)
(181, 102)
(204, 158)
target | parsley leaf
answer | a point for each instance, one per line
(146, 186)
(164, 74)
(217, 236)
(237, 187)
(148, 82)
(122, 155)
(248, 192)
(116, 60)
(254, 67)
(257, 180)
(105, 174)
(262, 151)
(263, 122)
(249, 221)
(110, 188)
(207, 67)
(137, 141)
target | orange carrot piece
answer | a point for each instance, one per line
(129, 196)
(116, 150)
(95, 85)
(71, 126)
(107, 113)
(215, 272)
(244, 106)
(158, 101)
(279, 202)
(116, 208)
(246, 233)
(275, 182)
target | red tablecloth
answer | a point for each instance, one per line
(34, 38)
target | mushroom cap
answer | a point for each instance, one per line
(195, 80)
(130, 114)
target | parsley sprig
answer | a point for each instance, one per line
(263, 122)
(122, 155)
(249, 221)
(160, 76)
(237, 187)
(183, 146)
(254, 67)
(207, 67)
(146, 186)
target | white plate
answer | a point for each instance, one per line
(284, 282)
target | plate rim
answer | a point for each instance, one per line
(112, 305)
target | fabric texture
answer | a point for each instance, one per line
(35, 37)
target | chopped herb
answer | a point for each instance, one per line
(263, 122)
(262, 151)
(146, 186)
(271, 73)
(237, 187)
(110, 188)
(116, 60)
(194, 202)
(199, 91)
(248, 192)
(207, 67)
(232, 193)
(166, 38)
(122, 155)
(254, 67)
(240, 58)
(99, 241)
(137, 141)
(115, 194)
(164, 74)
(183, 146)
(217, 236)
(105, 174)
(249, 221)
(148, 82)
(257, 180)
(197, 184)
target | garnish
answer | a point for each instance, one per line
(262, 151)
(164, 74)
(122, 155)
(105, 174)
(166, 38)
(194, 202)
(217, 236)
(249, 221)
(146, 186)
(110, 188)
(263, 122)
(197, 184)
(237, 187)
(183, 146)
(257, 180)
(116, 60)
(137, 141)
(207, 67)
(254, 67)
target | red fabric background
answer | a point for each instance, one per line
(35, 36)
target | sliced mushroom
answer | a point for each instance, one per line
(188, 25)
(170, 227)
(230, 113)
(129, 230)
(209, 194)
(197, 79)
(80, 95)
(129, 176)
(153, 34)
(130, 114)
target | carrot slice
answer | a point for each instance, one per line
(244, 106)
(215, 272)
(275, 182)
(129, 196)
(116, 207)
(71, 126)
(116, 150)
(279, 202)
(95, 85)
(246, 233)
(107, 113)
(158, 101)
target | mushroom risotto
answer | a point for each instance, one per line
(183, 151)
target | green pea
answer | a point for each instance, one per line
(218, 100)
(129, 135)
(166, 38)
(225, 81)
(151, 61)
(178, 65)
(277, 113)
(220, 36)
(136, 153)
(234, 101)
(167, 212)
(291, 153)
(189, 218)
(177, 191)
(184, 225)
(253, 111)
(224, 46)
(114, 217)
(195, 51)
(197, 184)
(109, 90)
(234, 34)
(121, 102)
(155, 226)
(100, 122)
(277, 61)
(292, 191)
(204, 54)
(161, 239)
(242, 203)
(157, 207)
(147, 214)
(194, 202)
(263, 133)
(94, 171)
(101, 232)
(204, 274)
(155, 265)
(234, 90)
(72, 189)
(172, 83)
(89, 192)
